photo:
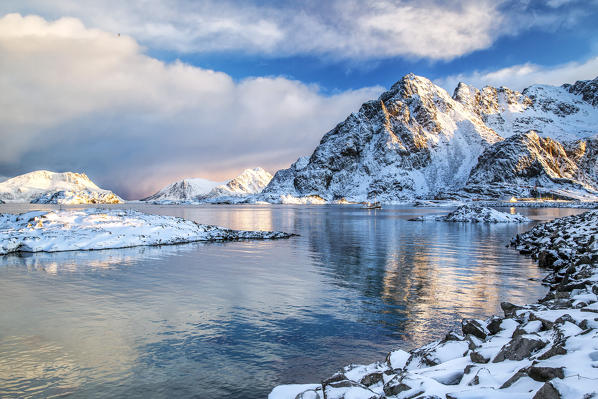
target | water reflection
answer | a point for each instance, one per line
(234, 319)
(73, 261)
(420, 278)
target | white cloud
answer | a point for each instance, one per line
(355, 29)
(85, 99)
(519, 77)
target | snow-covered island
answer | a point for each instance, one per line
(476, 214)
(45, 187)
(89, 229)
(543, 351)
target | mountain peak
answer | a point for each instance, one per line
(587, 89)
(47, 186)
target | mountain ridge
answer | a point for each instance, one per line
(417, 141)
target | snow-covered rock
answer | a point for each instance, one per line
(46, 187)
(416, 141)
(250, 181)
(88, 229)
(476, 214)
(543, 350)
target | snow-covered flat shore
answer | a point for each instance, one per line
(543, 350)
(89, 229)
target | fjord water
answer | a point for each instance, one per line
(235, 319)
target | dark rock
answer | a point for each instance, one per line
(477, 357)
(494, 325)
(509, 309)
(395, 386)
(547, 391)
(519, 348)
(452, 336)
(556, 349)
(474, 328)
(546, 259)
(546, 324)
(544, 374)
(371, 379)
(514, 378)
(334, 378)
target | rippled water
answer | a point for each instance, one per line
(235, 319)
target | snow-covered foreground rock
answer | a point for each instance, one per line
(69, 230)
(476, 214)
(45, 187)
(543, 350)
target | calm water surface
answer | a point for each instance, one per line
(235, 319)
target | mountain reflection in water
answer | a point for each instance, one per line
(234, 319)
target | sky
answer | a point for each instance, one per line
(141, 93)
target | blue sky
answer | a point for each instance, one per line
(138, 94)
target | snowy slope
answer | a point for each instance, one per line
(68, 230)
(43, 186)
(416, 141)
(559, 113)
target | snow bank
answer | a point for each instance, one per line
(476, 214)
(543, 350)
(68, 230)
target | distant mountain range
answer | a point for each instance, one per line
(414, 142)
(417, 141)
(250, 181)
(44, 187)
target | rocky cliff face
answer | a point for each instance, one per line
(527, 165)
(417, 141)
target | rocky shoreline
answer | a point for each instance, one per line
(543, 350)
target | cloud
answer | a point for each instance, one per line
(341, 29)
(88, 100)
(519, 77)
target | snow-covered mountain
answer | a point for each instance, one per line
(417, 141)
(47, 187)
(250, 181)
(184, 190)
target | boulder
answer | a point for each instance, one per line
(519, 348)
